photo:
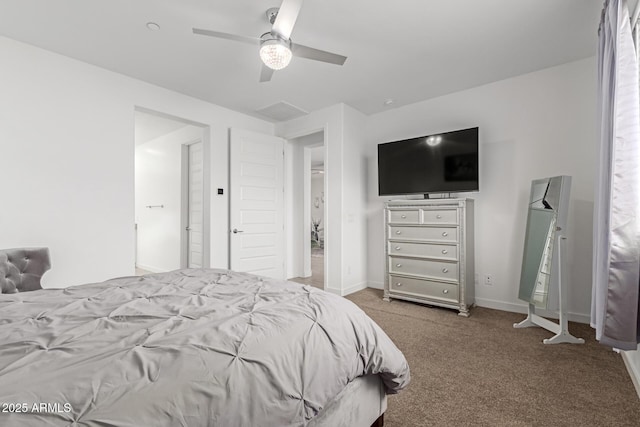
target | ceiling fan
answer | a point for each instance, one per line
(276, 47)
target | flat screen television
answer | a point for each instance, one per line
(440, 163)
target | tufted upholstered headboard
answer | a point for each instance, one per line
(22, 268)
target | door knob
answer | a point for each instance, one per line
(235, 231)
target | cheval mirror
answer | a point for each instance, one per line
(542, 260)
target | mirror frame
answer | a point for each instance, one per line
(546, 223)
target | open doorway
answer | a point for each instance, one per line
(309, 209)
(317, 216)
(171, 193)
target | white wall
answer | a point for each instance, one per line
(329, 121)
(68, 129)
(354, 202)
(158, 181)
(345, 189)
(345, 220)
(532, 126)
(67, 144)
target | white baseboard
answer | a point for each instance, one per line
(632, 369)
(295, 276)
(151, 269)
(523, 308)
(354, 288)
(511, 307)
(375, 285)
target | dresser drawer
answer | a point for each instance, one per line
(430, 250)
(424, 288)
(440, 216)
(409, 216)
(424, 267)
(436, 234)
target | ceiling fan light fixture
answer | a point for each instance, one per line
(275, 53)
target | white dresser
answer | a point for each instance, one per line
(429, 252)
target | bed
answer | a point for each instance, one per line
(194, 347)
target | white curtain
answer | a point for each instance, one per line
(616, 254)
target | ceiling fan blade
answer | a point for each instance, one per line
(218, 34)
(266, 73)
(317, 54)
(286, 18)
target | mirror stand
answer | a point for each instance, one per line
(561, 329)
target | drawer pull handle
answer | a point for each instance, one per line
(398, 232)
(445, 270)
(445, 291)
(398, 248)
(403, 216)
(398, 284)
(439, 216)
(444, 251)
(398, 265)
(445, 234)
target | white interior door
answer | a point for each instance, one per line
(195, 206)
(256, 203)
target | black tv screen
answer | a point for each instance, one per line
(440, 163)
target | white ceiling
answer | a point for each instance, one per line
(405, 50)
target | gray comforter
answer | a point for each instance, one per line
(185, 348)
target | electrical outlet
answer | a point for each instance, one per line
(488, 279)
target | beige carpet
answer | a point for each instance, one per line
(480, 371)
